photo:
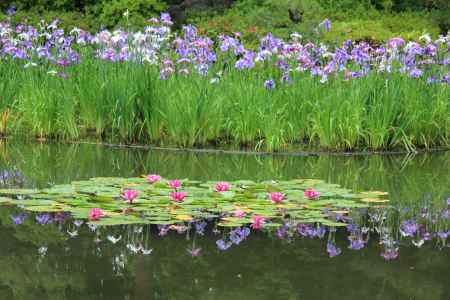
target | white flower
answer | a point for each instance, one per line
(426, 38)
(30, 64)
(296, 36)
(214, 80)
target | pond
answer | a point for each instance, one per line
(60, 260)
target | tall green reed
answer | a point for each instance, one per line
(129, 102)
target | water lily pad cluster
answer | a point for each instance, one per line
(155, 200)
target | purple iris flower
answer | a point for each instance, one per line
(247, 62)
(19, 54)
(63, 75)
(396, 42)
(448, 201)
(416, 73)
(380, 51)
(446, 78)
(445, 213)
(190, 32)
(269, 84)
(239, 49)
(327, 25)
(333, 250)
(408, 228)
(19, 219)
(11, 11)
(202, 69)
(284, 66)
(222, 245)
(356, 74)
(431, 80)
(347, 44)
(286, 79)
(166, 19)
(44, 219)
(431, 50)
(390, 254)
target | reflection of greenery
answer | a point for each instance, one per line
(418, 277)
(31, 233)
(259, 268)
(48, 280)
(407, 179)
(70, 270)
(301, 270)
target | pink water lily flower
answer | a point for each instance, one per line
(222, 187)
(178, 196)
(130, 195)
(276, 197)
(153, 178)
(238, 213)
(311, 194)
(175, 184)
(257, 222)
(95, 214)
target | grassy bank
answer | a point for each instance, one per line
(130, 102)
(189, 90)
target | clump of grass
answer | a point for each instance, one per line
(129, 102)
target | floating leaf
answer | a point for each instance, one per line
(155, 206)
(374, 200)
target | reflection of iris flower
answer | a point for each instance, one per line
(19, 219)
(408, 228)
(222, 245)
(194, 252)
(333, 250)
(390, 254)
(44, 219)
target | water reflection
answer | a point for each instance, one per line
(69, 260)
(47, 262)
(424, 177)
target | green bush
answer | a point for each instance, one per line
(88, 14)
(356, 19)
(359, 20)
(139, 10)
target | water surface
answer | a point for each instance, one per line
(262, 267)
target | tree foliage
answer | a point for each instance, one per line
(109, 13)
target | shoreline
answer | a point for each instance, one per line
(235, 151)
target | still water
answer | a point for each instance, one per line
(44, 262)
